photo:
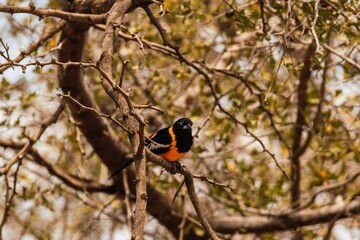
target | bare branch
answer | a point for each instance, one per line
(262, 14)
(69, 16)
(72, 181)
(122, 100)
(316, 15)
(347, 59)
(85, 108)
(299, 124)
(212, 89)
(8, 200)
(27, 147)
(288, 222)
(189, 181)
(328, 188)
(35, 45)
(129, 215)
(150, 106)
(196, 135)
(190, 187)
(212, 182)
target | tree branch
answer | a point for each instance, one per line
(71, 181)
(27, 147)
(35, 45)
(347, 59)
(298, 126)
(291, 221)
(190, 187)
(75, 17)
(189, 181)
(131, 118)
(211, 87)
(313, 24)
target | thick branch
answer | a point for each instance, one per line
(291, 221)
(299, 125)
(189, 181)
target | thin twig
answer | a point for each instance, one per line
(102, 210)
(135, 36)
(150, 106)
(327, 188)
(274, 78)
(347, 59)
(6, 48)
(178, 191)
(262, 14)
(123, 67)
(35, 45)
(85, 108)
(196, 135)
(68, 179)
(84, 198)
(212, 88)
(212, 182)
(27, 147)
(316, 15)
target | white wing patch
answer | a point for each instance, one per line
(154, 145)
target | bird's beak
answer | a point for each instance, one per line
(187, 126)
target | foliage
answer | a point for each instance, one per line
(242, 95)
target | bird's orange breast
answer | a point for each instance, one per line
(173, 154)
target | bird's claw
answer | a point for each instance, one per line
(176, 168)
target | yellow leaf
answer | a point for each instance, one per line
(166, 4)
(230, 166)
(285, 151)
(322, 173)
(328, 129)
(52, 43)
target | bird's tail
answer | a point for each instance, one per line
(121, 168)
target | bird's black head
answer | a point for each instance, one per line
(182, 130)
(182, 126)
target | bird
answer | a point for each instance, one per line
(171, 143)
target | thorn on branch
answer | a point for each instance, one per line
(32, 7)
(124, 62)
(144, 196)
(213, 183)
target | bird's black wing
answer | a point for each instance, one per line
(159, 142)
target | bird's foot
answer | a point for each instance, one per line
(176, 168)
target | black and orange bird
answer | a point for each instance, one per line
(171, 143)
